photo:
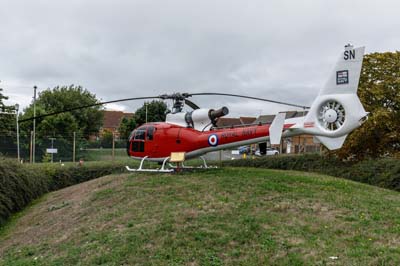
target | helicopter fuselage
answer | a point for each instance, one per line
(158, 140)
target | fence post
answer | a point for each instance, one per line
(73, 148)
(113, 146)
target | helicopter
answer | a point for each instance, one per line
(334, 113)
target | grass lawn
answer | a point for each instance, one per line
(230, 216)
(102, 154)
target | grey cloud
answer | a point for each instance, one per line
(281, 50)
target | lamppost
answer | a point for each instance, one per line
(16, 115)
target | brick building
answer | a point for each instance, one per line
(297, 144)
(111, 122)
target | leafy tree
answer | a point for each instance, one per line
(126, 126)
(106, 140)
(7, 121)
(84, 121)
(156, 111)
(379, 91)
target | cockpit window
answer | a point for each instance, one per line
(150, 133)
(139, 134)
(131, 135)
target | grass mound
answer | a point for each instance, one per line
(20, 184)
(232, 216)
(382, 172)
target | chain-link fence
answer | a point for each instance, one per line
(66, 148)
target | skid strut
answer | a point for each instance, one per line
(140, 169)
(204, 162)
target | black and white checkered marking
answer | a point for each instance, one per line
(342, 77)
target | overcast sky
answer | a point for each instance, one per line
(281, 50)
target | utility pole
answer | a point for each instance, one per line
(16, 114)
(73, 148)
(30, 148)
(34, 124)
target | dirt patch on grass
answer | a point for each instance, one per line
(60, 214)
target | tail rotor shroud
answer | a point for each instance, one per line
(331, 115)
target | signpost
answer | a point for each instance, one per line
(52, 150)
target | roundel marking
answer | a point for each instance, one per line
(213, 140)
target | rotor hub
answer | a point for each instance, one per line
(330, 115)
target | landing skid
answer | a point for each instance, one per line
(163, 168)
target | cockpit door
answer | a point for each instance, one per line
(139, 140)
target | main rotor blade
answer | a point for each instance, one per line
(249, 97)
(87, 106)
(192, 104)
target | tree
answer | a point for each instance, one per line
(84, 121)
(7, 119)
(126, 126)
(379, 92)
(107, 139)
(156, 111)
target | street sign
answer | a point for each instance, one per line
(51, 150)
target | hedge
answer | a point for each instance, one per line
(384, 172)
(20, 184)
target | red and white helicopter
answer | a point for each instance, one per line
(335, 112)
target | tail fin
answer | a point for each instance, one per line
(346, 74)
(337, 110)
(275, 130)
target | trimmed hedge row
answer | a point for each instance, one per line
(20, 184)
(383, 172)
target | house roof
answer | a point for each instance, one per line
(264, 119)
(292, 114)
(267, 119)
(228, 121)
(112, 119)
(247, 120)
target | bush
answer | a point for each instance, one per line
(20, 184)
(383, 172)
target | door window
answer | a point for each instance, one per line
(150, 133)
(138, 140)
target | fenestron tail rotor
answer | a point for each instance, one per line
(331, 115)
